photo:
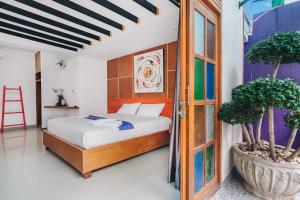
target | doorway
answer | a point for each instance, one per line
(201, 94)
(38, 88)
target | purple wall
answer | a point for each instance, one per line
(282, 19)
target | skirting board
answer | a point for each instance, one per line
(19, 128)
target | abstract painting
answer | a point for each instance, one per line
(149, 72)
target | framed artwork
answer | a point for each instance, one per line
(149, 72)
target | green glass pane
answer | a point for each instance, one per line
(199, 79)
(199, 33)
(210, 163)
(199, 126)
(210, 122)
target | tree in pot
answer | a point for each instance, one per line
(264, 163)
(233, 113)
(281, 48)
(267, 93)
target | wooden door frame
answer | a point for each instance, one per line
(187, 59)
(38, 90)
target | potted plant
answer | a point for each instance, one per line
(269, 171)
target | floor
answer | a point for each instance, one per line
(29, 172)
(232, 189)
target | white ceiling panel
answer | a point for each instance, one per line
(151, 31)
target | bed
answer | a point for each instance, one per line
(87, 147)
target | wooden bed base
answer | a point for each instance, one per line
(88, 160)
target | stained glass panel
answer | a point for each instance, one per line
(198, 171)
(199, 79)
(199, 126)
(210, 125)
(210, 163)
(210, 81)
(211, 40)
(199, 33)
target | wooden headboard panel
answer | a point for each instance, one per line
(120, 81)
(115, 104)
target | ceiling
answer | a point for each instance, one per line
(73, 27)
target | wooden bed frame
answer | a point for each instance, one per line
(88, 160)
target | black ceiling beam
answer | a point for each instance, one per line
(36, 39)
(117, 10)
(65, 16)
(90, 13)
(43, 28)
(176, 3)
(149, 6)
(46, 20)
(39, 34)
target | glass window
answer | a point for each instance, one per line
(210, 125)
(199, 126)
(198, 171)
(211, 40)
(199, 33)
(209, 164)
(210, 81)
(199, 79)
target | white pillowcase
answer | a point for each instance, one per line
(151, 110)
(129, 108)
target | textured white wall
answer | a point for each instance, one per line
(52, 77)
(232, 72)
(83, 81)
(92, 86)
(17, 67)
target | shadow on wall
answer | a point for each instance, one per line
(282, 19)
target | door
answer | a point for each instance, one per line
(38, 88)
(201, 97)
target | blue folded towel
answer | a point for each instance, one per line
(94, 117)
(124, 126)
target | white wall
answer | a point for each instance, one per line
(17, 67)
(232, 72)
(83, 81)
(92, 86)
(52, 78)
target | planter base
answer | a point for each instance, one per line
(265, 196)
(266, 179)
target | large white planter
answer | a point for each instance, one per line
(266, 179)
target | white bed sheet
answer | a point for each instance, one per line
(78, 131)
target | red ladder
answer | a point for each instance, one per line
(4, 101)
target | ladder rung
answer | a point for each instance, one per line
(12, 88)
(10, 125)
(12, 100)
(10, 113)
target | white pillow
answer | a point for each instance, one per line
(151, 110)
(129, 108)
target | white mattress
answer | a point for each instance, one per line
(78, 131)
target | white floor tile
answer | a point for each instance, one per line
(29, 172)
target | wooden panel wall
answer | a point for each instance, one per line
(120, 80)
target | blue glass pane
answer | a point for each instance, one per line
(199, 33)
(198, 172)
(210, 81)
